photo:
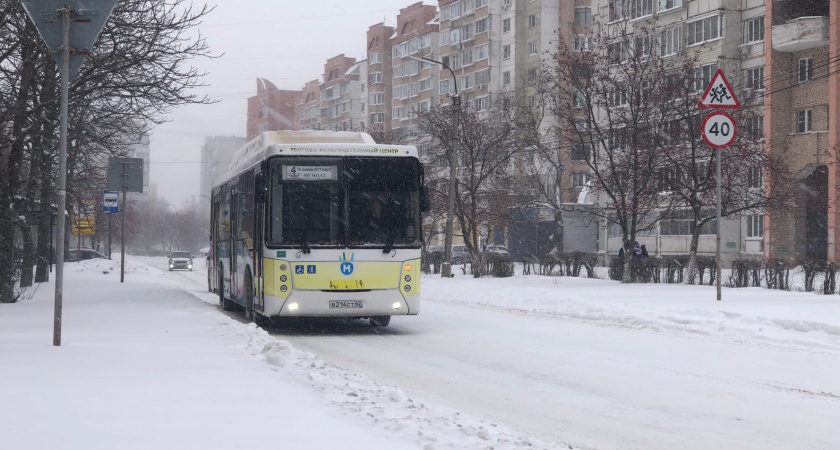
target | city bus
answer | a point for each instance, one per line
(318, 224)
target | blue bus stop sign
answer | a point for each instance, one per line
(110, 202)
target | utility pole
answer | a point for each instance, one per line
(454, 145)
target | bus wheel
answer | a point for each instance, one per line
(226, 304)
(380, 321)
(209, 279)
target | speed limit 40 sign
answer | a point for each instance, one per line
(719, 130)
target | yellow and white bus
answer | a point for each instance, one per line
(316, 223)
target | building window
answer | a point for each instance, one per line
(618, 9)
(481, 52)
(681, 223)
(532, 75)
(377, 98)
(532, 48)
(445, 87)
(481, 103)
(806, 69)
(753, 30)
(670, 41)
(375, 57)
(665, 5)
(466, 57)
(755, 178)
(532, 21)
(704, 30)
(482, 77)
(375, 78)
(583, 16)
(377, 118)
(506, 52)
(803, 120)
(755, 225)
(617, 52)
(754, 128)
(425, 84)
(640, 8)
(581, 151)
(582, 42)
(754, 78)
(466, 82)
(703, 76)
(480, 3)
(481, 25)
(579, 179)
(532, 101)
(506, 25)
(506, 78)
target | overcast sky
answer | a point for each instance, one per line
(286, 42)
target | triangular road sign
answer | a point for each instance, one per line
(86, 23)
(719, 93)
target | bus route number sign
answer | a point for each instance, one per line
(719, 130)
(309, 173)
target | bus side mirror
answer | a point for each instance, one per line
(260, 188)
(425, 202)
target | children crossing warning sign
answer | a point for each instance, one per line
(719, 93)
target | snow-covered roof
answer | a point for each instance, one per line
(309, 142)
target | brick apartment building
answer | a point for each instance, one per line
(342, 104)
(308, 106)
(271, 109)
(379, 79)
(414, 84)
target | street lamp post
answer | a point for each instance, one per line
(446, 267)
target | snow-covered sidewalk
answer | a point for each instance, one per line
(147, 365)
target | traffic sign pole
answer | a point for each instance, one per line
(62, 176)
(717, 216)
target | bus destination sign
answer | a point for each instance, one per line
(310, 173)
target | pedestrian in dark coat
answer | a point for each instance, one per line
(644, 251)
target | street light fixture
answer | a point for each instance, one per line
(446, 267)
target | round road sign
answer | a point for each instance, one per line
(719, 130)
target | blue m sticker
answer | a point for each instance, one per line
(346, 268)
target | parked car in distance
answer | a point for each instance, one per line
(460, 255)
(180, 260)
(83, 254)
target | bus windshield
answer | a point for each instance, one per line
(345, 202)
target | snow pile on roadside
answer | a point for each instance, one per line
(769, 317)
(385, 407)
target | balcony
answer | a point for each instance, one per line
(799, 34)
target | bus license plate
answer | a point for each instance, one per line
(346, 304)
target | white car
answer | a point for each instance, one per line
(180, 260)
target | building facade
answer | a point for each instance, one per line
(308, 106)
(271, 109)
(342, 107)
(379, 80)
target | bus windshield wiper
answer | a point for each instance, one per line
(389, 244)
(304, 246)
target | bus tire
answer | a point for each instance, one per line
(380, 321)
(249, 296)
(209, 279)
(226, 304)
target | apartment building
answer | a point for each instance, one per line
(308, 106)
(271, 109)
(216, 155)
(802, 97)
(379, 80)
(414, 84)
(341, 93)
(729, 35)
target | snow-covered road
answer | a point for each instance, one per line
(594, 384)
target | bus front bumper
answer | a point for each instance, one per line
(304, 303)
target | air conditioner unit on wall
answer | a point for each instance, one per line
(744, 49)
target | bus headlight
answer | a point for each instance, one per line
(293, 307)
(397, 305)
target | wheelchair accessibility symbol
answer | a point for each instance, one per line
(346, 268)
(299, 269)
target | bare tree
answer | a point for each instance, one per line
(486, 147)
(138, 71)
